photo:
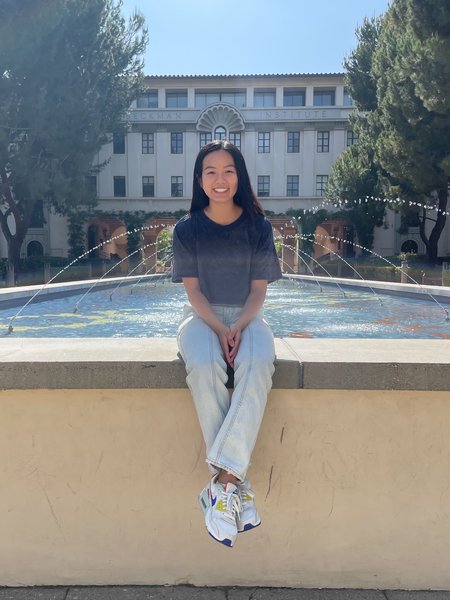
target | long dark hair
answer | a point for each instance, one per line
(245, 196)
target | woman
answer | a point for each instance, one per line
(225, 256)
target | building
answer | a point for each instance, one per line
(290, 129)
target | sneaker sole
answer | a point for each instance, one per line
(249, 527)
(226, 542)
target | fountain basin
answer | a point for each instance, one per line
(301, 306)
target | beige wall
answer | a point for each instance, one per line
(100, 487)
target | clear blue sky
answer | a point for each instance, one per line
(207, 37)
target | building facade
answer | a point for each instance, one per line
(290, 128)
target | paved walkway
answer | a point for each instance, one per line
(195, 593)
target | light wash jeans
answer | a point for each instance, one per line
(230, 425)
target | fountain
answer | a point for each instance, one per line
(285, 307)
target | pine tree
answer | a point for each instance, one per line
(399, 77)
(412, 68)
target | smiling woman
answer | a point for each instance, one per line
(225, 256)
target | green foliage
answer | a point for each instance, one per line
(76, 222)
(164, 244)
(134, 223)
(446, 277)
(413, 141)
(69, 70)
(307, 223)
(400, 76)
(359, 79)
(355, 184)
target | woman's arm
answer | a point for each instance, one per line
(202, 307)
(252, 306)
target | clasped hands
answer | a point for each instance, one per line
(230, 339)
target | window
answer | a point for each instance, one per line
(91, 185)
(323, 141)
(35, 248)
(263, 142)
(264, 98)
(324, 97)
(292, 185)
(203, 99)
(352, 137)
(237, 98)
(321, 184)
(235, 138)
(176, 143)
(220, 133)
(119, 143)
(263, 185)
(37, 216)
(148, 100)
(148, 143)
(119, 187)
(293, 141)
(176, 99)
(148, 186)
(176, 187)
(348, 100)
(205, 138)
(294, 98)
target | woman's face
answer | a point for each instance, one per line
(219, 178)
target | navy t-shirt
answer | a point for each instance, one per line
(225, 258)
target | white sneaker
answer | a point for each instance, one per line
(221, 504)
(248, 517)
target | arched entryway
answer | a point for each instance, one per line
(333, 237)
(35, 248)
(409, 247)
(106, 238)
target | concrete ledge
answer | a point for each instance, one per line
(18, 296)
(373, 364)
(410, 290)
(143, 363)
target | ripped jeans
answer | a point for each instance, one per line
(230, 425)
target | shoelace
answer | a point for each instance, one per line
(245, 496)
(232, 502)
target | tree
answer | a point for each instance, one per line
(69, 70)
(355, 185)
(412, 68)
(358, 65)
(356, 180)
(399, 77)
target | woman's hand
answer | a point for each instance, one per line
(226, 343)
(234, 341)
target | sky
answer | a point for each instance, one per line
(245, 37)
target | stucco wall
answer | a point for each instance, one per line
(100, 487)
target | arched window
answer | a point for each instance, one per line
(35, 248)
(220, 133)
(409, 247)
